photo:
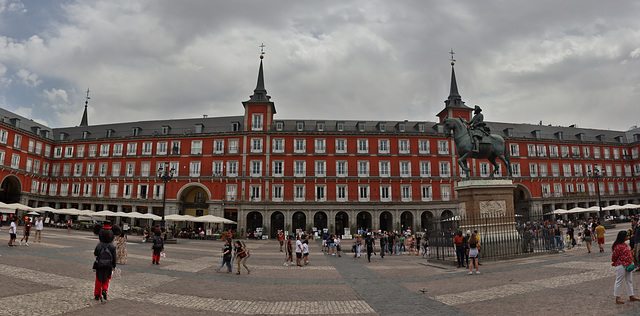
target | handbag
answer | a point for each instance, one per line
(630, 267)
(242, 255)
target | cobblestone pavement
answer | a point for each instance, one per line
(55, 277)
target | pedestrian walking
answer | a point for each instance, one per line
(158, 246)
(121, 249)
(383, 244)
(281, 239)
(13, 229)
(588, 238)
(621, 258)
(599, 232)
(336, 244)
(105, 263)
(69, 223)
(305, 250)
(242, 254)
(39, 227)
(369, 243)
(226, 256)
(298, 251)
(474, 252)
(636, 239)
(289, 252)
(27, 231)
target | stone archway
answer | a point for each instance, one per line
(386, 221)
(299, 221)
(426, 221)
(448, 220)
(406, 220)
(254, 220)
(277, 223)
(193, 200)
(363, 221)
(342, 222)
(320, 221)
(10, 190)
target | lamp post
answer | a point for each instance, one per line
(165, 174)
(596, 176)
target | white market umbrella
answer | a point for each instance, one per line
(611, 208)
(630, 206)
(175, 218)
(151, 216)
(20, 207)
(104, 213)
(211, 219)
(45, 209)
(33, 213)
(576, 210)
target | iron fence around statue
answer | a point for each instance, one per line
(501, 236)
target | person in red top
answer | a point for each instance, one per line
(621, 258)
(27, 230)
(281, 239)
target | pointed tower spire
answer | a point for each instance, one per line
(453, 105)
(260, 93)
(85, 118)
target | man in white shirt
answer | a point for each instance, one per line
(39, 227)
(298, 251)
(13, 229)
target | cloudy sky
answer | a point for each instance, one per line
(559, 62)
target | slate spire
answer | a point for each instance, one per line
(85, 118)
(260, 93)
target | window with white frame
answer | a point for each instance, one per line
(514, 150)
(115, 169)
(300, 126)
(426, 193)
(117, 149)
(586, 152)
(423, 146)
(278, 168)
(175, 147)
(542, 151)
(405, 193)
(385, 193)
(277, 192)
(218, 146)
(68, 151)
(606, 153)
(88, 189)
(564, 151)
(553, 151)
(256, 122)
(321, 170)
(255, 192)
(80, 151)
(17, 142)
(194, 169)
(29, 165)
(2, 157)
(30, 147)
(127, 190)
(35, 185)
(577, 169)
(341, 168)
(533, 169)
(557, 189)
(299, 168)
(320, 126)
(321, 192)
(217, 169)
(145, 168)
(608, 170)
(445, 169)
(485, 169)
(232, 192)
(143, 191)
(36, 166)
(53, 189)
(320, 147)
(618, 170)
(341, 146)
(591, 188)
(531, 150)
(443, 147)
(64, 189)
(363, 193)
(403, 146)
(77, 170)
(130, 169)
(363, 168)
(363, 146)
(566, 169)
(45, 165)
(3, 136)
(569, 188)
(278, 145)
(383, 146)
(580, 188)
(575, 151)
(256, 145)
(102, 169)
(543, 169)
(298, 192)
(38, 149)
(233, 146)
(232, 168)
(57, 152)
(405, 169)
(546, 189)
(132, 149)
(157, 191)
(113, 190)
(341, 192)
(616, 153)
(256, 168)
(340, 126)
(66, 169)
(299, 146)
(384, 168)
(445, 192)
(91, 166)
(425, 168)
(75, 189)
(611, 188)
(515, 169)
(555, 170)
(161, 148)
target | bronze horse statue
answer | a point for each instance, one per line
(496, 148)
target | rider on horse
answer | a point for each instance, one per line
(477, 128)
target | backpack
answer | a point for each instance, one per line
(157, 243)
(105, 258)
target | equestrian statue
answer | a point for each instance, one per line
(474, 140)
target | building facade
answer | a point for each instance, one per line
(297, 174)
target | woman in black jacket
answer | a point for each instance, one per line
(105, 253)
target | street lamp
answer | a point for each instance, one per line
(596, 176)
(165, 174)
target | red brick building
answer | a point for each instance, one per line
(287, 174)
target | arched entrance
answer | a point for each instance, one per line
(10, 190)
(299, 221)
(254, 220)
(406, 220)
(363, 221)
(448, 221)
(386, 221)
(277, 223)
(426, 221)
(320, 221)
(342, 222)
(193, 201)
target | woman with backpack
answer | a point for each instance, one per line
(158, 246)
(242, 253)
(105, 253)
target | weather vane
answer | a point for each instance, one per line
(453, 61)
(86, 102)
(261, 50)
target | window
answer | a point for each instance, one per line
(232, 192)
(401, 127)
(36, 166)
(113, 190)
(553, 151)
(425, 193)
(232, 169)
(585, 152)
(88, 189)
(515, 169)
(29, 165)
(130, 169)
(218, 146)
(445, 170)
(546, 190)
(443, 147)
(485, 169)
(132, 149)
(45, 165)
(340, 126)
(278, 168)
(256, 168)
(276, 192)
(15, 161)
(543, 169)
(616, 153)
(38, 150)
(405, 193)
(361, 126)
(363, 146)
(531, 150)
(618, 171)
(68, 151)
(117, 149)
(577, 169)
(147, 148)
(218, 168)
(321, 169)
(142, 191)
(55, 170)
(533, 170)
(77, 170)
(341, 146)
(199, 128)
(75, 189)
(564, 151)
(299, 146)
(606, 153)
(235, 126)
(145, 168)
(104, 150)
(608, 170)
(341, 168)
(115, 169)
(385, 193)
(575, 152)
(341, 192)
(425, 168)
(256, 122)
(445, 192)
(321, 194)
(102, 169)
(383, 146)
(194, 169)
(403, 146)
(127, 190)
(542, 151)
(384, 169)
(320, 146)
(405, 169)
(363, 168)
(2, 157)
(557, 189)
(256, 145)
(17, 142)
(596, 152)
(278, 145)
(161, 148)
(57, 152)
(53, 189)
(158, 191)
(299, 168)
(31, 146)
(93, 150)
(363, 193)
(320, 126)
(514, 150)
(64, 189)
(566, 169)
(175, 147)
(298, 194)
(3, 136)
(66, 169)
(299, 126)
(279, 126)
(423, 146)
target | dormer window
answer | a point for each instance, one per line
(320, 126)
(63, 136)
(559, 135)
(85, 134)
(199, 128)
(636, 137)
(361, 126)
(300, 126)
(15, 122)
(110, 133)
(580, 136)
(401, 127)
(619, 139)
(420, 127)
(340, 126)
(165, 129)
(382, 127)
(235, 126)
(536, 134)
(36, 130)
(600, 137)
(279, 126)
(136, 131)
(508, 132)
